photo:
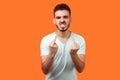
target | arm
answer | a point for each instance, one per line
(47, 61)
(78, 59)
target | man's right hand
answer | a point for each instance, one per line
(48, 60)
(53, 46)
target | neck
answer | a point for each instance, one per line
(65, 34)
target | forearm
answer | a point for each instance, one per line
(47, 63)
(77, 62)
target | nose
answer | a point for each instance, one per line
(62, 19)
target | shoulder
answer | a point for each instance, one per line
(48, 37)
(77, 36)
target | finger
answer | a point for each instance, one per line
(54, 39)
(71, 47)
(73, 40)
(75, 44)
(53, 42)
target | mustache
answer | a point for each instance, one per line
(62, 23)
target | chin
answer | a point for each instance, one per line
(62, 30)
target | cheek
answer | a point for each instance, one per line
(68, 21)
(56, 22)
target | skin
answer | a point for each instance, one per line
(62, 21)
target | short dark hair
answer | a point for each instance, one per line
(62, 6)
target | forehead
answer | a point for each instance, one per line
(62, 13)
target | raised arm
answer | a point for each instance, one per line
(47, 61)
(78, 60)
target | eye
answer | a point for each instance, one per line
(65, 17)
(58, 17)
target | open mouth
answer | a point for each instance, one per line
(63, 25)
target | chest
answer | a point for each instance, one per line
(63, 55)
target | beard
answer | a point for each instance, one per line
(63, 30)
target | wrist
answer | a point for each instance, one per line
(52, 54)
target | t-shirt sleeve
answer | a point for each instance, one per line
(82, 46)
(44, 47)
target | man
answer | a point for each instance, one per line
(62, 52)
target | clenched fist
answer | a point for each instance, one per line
(53, 46)
(74, 47)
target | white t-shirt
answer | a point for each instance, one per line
(62, 68)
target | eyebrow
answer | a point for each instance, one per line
(58, 17)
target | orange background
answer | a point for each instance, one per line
(24, 22)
